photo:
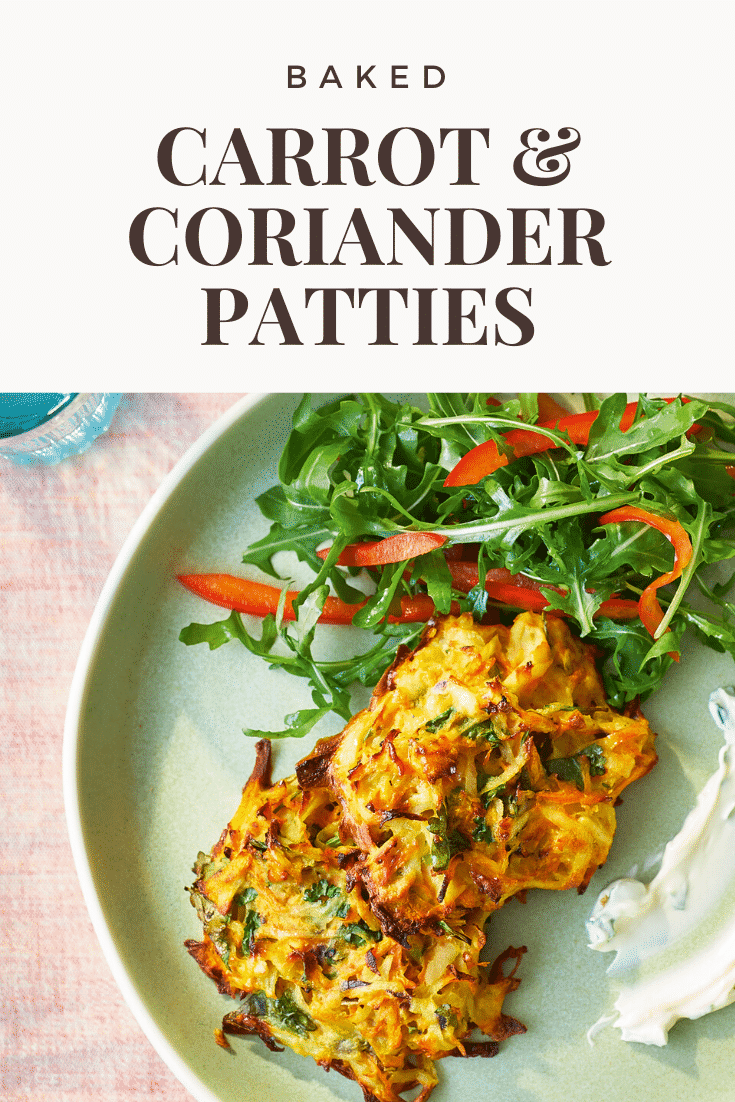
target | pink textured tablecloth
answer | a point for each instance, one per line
(65, 1031)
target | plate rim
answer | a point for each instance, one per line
(172, 1056)
(70, 746)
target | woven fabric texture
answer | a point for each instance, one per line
(65, 1032)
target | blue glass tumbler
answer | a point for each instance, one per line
(46, 428)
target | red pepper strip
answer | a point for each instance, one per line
(649, 609)
(465, 575)
(416, 609)
(618, 608)
(258, 599)
(485, 458)
(465, 552)
(730, 471)
(549, 409)
(517, 596)
(398, 548)
(523, 592)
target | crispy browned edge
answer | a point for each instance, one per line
(203, 952)
(261, 774)
(510, 1026)
(312, 772)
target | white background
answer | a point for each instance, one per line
(90, 89)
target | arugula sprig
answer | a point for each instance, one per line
(330, 681)
(365, 467)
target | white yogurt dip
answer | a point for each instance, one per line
(678, 931)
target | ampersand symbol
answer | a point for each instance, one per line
(542, 164)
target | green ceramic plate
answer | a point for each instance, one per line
(155, 762)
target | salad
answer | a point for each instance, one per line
(615, 517)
